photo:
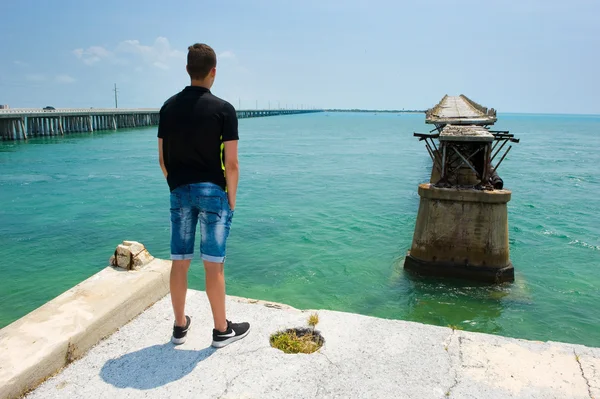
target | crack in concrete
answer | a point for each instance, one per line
(327, 357)
(448, 340)
(252, 351)
(167, 283)
(228, 385)
(322, 391)
(162, 277)
(460, 352)
(454, 367)
(587, 382)
(318, 390)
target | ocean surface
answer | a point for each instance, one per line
(326, 211)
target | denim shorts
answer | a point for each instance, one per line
(207, 203)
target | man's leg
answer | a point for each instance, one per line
(184, 218)
(215, 290)
(215, 223)
(178, 282)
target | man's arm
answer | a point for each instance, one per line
(161, 159)
(232, 170)
(230, 139)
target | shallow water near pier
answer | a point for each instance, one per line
(326, 211)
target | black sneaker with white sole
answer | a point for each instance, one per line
(235, 331)
(179, 333)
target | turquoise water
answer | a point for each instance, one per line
(325, 215)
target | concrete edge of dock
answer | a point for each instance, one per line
(117, 305)
(362, 357)
(41, 343)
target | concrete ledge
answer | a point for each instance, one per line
(426, 190)
(363, 357)
(42, 342)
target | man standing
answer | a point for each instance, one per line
(198, 154)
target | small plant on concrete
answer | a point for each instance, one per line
(299, 340)
(454, 328)
(295, 341)
(313, 320)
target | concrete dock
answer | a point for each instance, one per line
(363, 357)
(109, 336)
(22, 123)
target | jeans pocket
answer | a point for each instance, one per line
(211, 209)
(175, 199)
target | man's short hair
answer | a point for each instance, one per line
(201, 59)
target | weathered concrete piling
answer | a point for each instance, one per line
(462, 223)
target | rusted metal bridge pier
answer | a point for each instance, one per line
(20, 124)
(462, 223)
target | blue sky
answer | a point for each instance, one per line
(515, 56)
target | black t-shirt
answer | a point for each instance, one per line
(194, 124)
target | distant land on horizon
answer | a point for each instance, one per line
(7, 107)
(395, 111)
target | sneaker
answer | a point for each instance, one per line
(235, 331)
(179, 333)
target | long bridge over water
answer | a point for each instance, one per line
(22, 123)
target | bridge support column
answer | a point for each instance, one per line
(23, 130)
(462, 233)
(14, 129)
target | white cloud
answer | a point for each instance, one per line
(92, 55)
(35, 77)
(64, 79)
(159, 54)
(226, 54)
(21, 64)
(160, 65)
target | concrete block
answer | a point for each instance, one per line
(131, 255)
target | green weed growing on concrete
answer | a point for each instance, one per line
(292, 342)
(299, 340)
